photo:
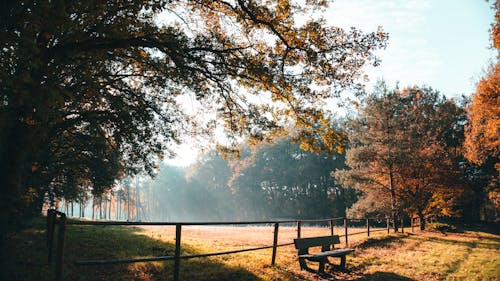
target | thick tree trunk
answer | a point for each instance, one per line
(13, 158)
(421, 218)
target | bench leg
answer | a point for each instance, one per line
(342, 261)
(321, 268)
(303, 264)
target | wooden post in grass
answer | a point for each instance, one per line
(60, 247)
(275, 243)
(345, 228)
(402, 226)
(387, 223)
(368, 226)
(50, 233)
(331, 227)
(298, 228)
(177, 255)
(412, 219)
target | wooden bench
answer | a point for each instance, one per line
(327, 244)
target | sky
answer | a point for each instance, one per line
(443, 44)
(439, 43)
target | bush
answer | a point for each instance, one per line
(442, 227)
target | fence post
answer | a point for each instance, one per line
(177, 255)
(60, 247)
(345, 227)
(298, 228)
(368, 226)
(275, 242)
(331, 227)
(402, 225)
(411, 220)
(387, 223)
(50, 233)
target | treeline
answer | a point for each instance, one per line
(269, 181)
(405, 156)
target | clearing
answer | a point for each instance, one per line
(471, 255)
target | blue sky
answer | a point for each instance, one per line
(440, 43)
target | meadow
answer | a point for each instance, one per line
(469, 255)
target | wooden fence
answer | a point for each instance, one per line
(55, 217)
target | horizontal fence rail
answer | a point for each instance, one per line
(131, 223)
(166, 258)
(55, 217)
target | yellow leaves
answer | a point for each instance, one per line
(34, 167)
(143, 54)
(320, 137)
(306, 146)
(30, 195)
(228, 153)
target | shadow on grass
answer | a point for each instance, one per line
(346, 274)
(27, 254)
(387, 241)
(386, 276)
(486, 242)
(491, 228)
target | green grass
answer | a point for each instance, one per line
(471, 255)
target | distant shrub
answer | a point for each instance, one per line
(442, 227)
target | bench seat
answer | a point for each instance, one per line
(333, 253)
(327, 244)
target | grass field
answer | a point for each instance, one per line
(471, 255)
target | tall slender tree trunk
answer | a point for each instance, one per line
(93, 207)
(83, 209)
(100, 207)
(137, 201)
(118, 207)
(109, 206)
(394, 214)
(128, 205)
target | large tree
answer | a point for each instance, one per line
(405, 148)
(432, 174)
(375, 151)
(92, 88)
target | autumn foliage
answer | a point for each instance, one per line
(482, 140)
(405, 154)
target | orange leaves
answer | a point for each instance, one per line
(399, 146)
(483, 132)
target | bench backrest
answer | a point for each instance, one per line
(304, 243)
